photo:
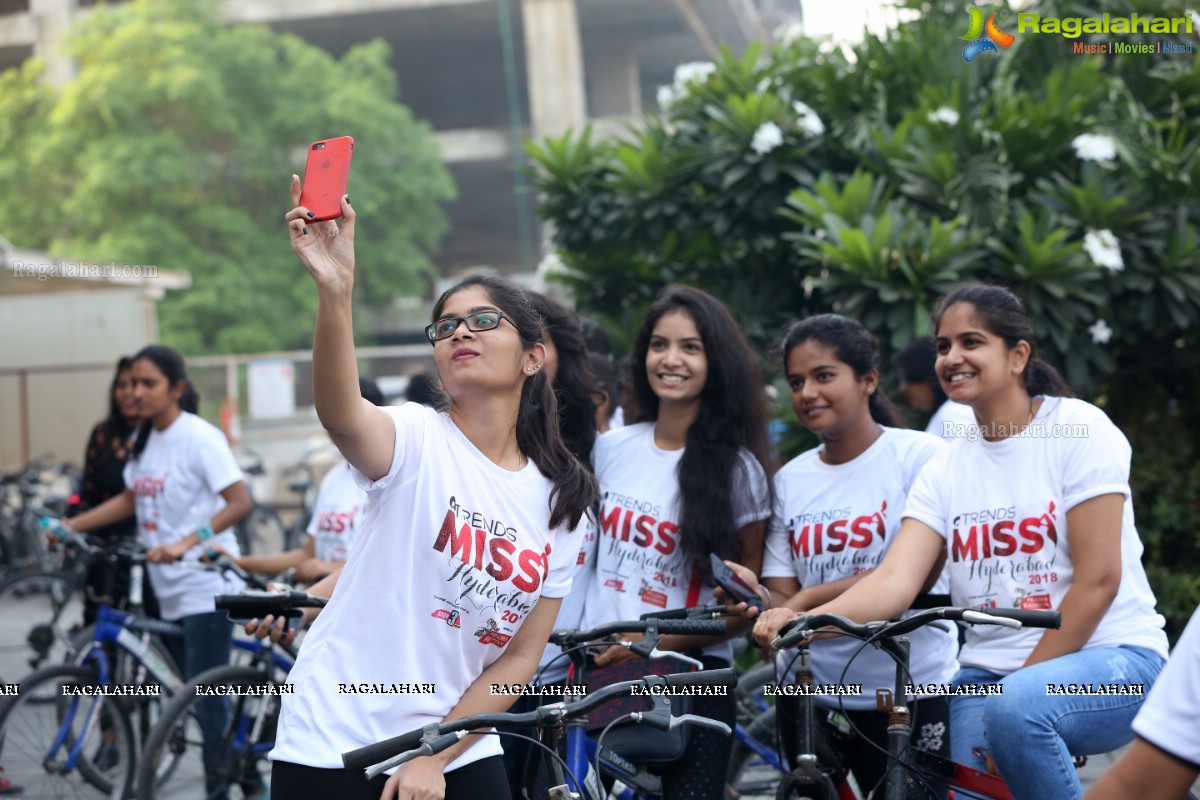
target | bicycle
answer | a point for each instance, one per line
(912, 773)
(550, 720)
(24, 499)
(65, 708)
(239, 761)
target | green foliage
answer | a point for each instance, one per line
(173, 146)
(929, 172)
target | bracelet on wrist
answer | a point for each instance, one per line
(770, 604)
(205, 532)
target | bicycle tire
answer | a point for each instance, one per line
(262, 532)
(738, 781)
(28, 728)
(42, 606)
(243, 766)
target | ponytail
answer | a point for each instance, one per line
(189, 401)
(1041, 378)
(883, 411)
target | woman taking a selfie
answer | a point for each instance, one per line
(1032, 513)
(465, 549)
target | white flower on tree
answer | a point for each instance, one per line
(807, 119)
(1095, 147)
(666, 97)
(693, 72)
(945, 115)
(766, 138)
(1100, 332)
(1105, 249)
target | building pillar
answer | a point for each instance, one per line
(53, 18)
(614, 84)
(554, 65)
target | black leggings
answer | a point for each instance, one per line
(483, 778)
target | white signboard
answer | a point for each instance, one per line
(272, 389)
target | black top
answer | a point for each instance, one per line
(103, 463)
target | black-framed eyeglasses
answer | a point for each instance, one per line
(476, 321)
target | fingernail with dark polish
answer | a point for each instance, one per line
(311, 215)
(306, 231)
(347, 199)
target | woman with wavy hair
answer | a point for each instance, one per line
(688, 479)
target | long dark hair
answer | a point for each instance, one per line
(915, 362)
(854, 346)
(608, 380)
(575, 383)
(537, 417)
(1002, 314)
(732, 418)
(115, 421)
(170, 364)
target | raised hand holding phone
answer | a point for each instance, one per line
(325, 249)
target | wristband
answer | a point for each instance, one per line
(205, 532)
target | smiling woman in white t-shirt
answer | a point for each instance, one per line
(465, 550)
(686, 480)
(837, 511)
(1032, 511)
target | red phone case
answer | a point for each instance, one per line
(325, 177)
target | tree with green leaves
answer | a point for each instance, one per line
(173, 145)
(870, 180)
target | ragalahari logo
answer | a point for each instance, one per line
(983, 37)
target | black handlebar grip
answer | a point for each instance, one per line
(708, 677)
(692, 627)
(256, 604)
(364, 757)
(1033, 619)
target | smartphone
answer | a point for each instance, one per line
(734, 586)
(325, 177)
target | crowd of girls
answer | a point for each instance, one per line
(481, 512)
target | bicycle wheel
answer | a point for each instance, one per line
(262, 532)
(40, 609)
(29, 730)
(748, 774)
(237, 764)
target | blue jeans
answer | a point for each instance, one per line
(206, 643)
(1033, 735)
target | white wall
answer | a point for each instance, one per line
(79, 335)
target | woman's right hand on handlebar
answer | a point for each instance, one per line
(326, 250)
(770, 623)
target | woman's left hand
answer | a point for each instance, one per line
(743, 610)
(419, 779)
(167, 553)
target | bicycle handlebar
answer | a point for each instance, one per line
(260, 604)
(435, 738)
(802, 628)
(661, 627)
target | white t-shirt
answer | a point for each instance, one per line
(337, 514)
(453, 553)
(951, 420)
(835, 521)
(570, 613)
(177, 483)
(1168, 718)
(1002, 509)
(640, 566)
